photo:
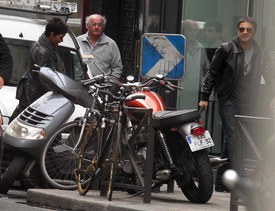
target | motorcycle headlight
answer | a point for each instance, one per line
(19, 130)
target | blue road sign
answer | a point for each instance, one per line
(162, 54)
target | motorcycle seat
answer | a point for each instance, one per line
(169, 119)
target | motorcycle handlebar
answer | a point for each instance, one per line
(134, 97)
(127, 98)
(163, 82)
(131, 85)
(140, 85)
(96, 79)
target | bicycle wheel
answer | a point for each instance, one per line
(87, 160)
(58, 162)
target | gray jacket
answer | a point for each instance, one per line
(106, 53)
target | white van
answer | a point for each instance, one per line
(20, 33)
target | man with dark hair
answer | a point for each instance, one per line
(236, 72)
(6, 65)
(45, 54)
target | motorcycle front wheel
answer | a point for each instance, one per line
(199, 189)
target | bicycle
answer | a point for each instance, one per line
(103, 160)
(59, 157)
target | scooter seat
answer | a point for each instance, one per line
(169, 119)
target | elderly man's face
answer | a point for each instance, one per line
(96, 26)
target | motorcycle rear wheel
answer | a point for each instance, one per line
(200, 188)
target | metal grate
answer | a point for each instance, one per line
(128, 41)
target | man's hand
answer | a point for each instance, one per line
(203, 105)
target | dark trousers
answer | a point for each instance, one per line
(227, 112)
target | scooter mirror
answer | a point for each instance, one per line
(88, 58)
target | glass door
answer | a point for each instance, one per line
(205, 25)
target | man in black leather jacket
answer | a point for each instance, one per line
(6, 64)
(45, 54)
(236, 73)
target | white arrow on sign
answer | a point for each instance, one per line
(170, 55)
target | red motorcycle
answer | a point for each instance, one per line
(181, 143)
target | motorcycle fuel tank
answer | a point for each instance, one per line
(152, 100)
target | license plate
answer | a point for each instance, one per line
(200, 142)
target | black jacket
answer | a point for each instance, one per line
(6, 62)
(226, 65)
(44, 54)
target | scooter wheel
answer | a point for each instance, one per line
(13, 172)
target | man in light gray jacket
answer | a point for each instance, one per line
(104, 49)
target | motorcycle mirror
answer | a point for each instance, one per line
(159, 76)
(130, 78)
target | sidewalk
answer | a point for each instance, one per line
(122, 201)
